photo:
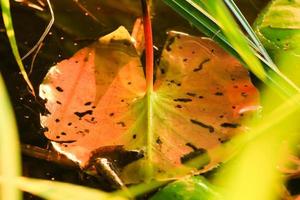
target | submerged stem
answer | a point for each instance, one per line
(149, 82)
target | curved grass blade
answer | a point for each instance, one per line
(5, 6)
(46, 31)
(10, 160)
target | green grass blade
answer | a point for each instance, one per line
(10, 161)
(218, 10)
(193, 12)
(5, 6)
(240, 17)
(202, 21)
(60, 191)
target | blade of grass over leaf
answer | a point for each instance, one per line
(211, 26)
(286, 115)
(5, 6)
(202, 21)
(254, 173)
(10, 161)
(59, 191)
(238, 14)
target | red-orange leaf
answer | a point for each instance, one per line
(97, 99)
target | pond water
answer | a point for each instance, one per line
(77, 24)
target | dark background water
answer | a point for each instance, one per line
(77, 24)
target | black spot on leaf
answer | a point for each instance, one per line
(230, 125)
(122, 124)
(201, 65)
(82, 114)
(209, 127)
(191, 94)
(191, 145)
(88, 103)
(219, 94)
(178, 106)
(184, 100)
(169, 43)
(195, 153)
(59, 89)
(158, 141)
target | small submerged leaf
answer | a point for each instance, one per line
(189, 188)
(96, 99)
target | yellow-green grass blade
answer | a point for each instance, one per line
(54, 190)
(219, 11)
(10, 162)
(7, 19)
(254, 173)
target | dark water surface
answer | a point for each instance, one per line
(76, 25)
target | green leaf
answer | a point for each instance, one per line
(97, 99)
(273, 26)
(282, 14)
(5, 7)
(189, 188)
(277, 26)
(54, 190)
(10, 161)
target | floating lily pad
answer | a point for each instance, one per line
(97, 99)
